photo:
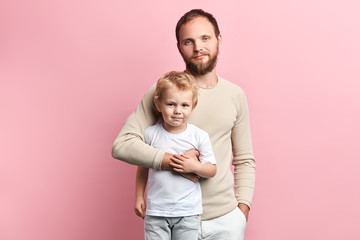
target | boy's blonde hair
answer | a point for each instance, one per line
(181, 80)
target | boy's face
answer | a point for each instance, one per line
(175, 107)
(199, 45)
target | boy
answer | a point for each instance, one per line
(174, 205)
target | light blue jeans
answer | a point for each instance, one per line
(172, 228)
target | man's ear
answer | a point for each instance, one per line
(220, 40)
(178, 47)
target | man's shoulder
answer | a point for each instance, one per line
(231, 87)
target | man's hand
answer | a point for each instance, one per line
(191, 176)
(245, 210)
(165, 164)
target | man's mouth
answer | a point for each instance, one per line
(200, 56)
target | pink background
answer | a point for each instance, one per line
(72, 71)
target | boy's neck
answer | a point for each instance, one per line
(174, 130)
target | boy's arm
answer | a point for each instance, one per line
(184, 164)
(189, 164)
(141, 181)
(129, 146)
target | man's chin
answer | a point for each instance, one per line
(198, 70)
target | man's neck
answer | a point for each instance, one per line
(208, 80)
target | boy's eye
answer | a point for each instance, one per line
(185, 105)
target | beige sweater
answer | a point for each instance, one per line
(222, 111)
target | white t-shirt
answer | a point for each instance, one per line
(169, 194)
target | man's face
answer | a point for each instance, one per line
(198, 46)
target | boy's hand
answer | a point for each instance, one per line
(140, 207)
(192, 153)
(184, 164)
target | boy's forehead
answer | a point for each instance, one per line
(175, 90)
(198, 26)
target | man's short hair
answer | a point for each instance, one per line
(194, 14)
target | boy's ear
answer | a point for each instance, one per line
(156, 103)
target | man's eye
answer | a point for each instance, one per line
(205, 38)
(187, 42)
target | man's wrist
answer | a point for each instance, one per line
(245, 209)
(165, 164)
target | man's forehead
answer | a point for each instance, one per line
(196, 27)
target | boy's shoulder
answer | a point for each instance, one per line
(196, 130)
(152, 129)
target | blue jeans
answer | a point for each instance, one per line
(172, 228)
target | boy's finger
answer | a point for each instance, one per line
(176, 166)
(178, 170)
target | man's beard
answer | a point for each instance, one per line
(202, 68)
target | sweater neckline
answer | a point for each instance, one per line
(220, 80)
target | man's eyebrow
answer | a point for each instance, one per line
(191, 39)
(187, 39)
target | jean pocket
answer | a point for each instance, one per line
(241, 213)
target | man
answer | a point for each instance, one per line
(222, 111)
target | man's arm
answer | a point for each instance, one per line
(243, 157)
(245, 209)
(129, 145)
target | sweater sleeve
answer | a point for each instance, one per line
(129, 146)
(243, 157)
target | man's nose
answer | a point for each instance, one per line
(198, 47)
